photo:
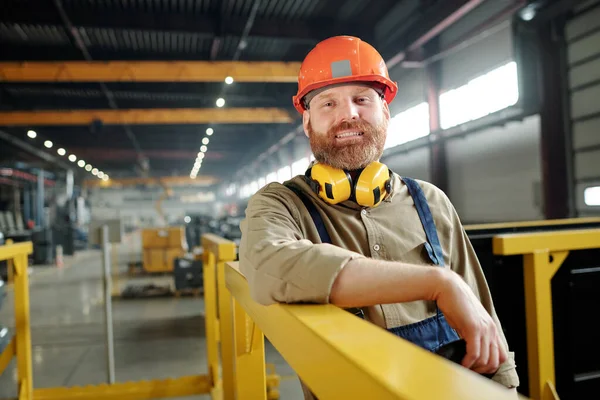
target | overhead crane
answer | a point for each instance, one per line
(149, 71)
(147, 116)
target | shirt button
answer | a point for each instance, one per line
(376, 247)
(364, 212)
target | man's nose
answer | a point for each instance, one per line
(347, 111)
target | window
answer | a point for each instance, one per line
(272, 177)
(483, 95)
(261, 182)
(253, 187)
(299, 167)
(408, 125)
(284, 174)
(591, 196)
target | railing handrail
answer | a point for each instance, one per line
(533, 223)
(10, 251)
(341, 356)
(527, 243)
(223, 249)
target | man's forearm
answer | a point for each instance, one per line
(366, 282)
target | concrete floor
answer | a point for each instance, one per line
(154, 338)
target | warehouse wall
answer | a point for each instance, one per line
(139, 206)
(495, 174)
(413, 164)
(583, 58)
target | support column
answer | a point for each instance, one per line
(437, 158)
(27, 214)
(40, 220)
(555, 144)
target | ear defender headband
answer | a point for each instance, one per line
(335, 185)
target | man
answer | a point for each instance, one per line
(357, 235)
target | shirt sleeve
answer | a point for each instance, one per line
(464, 261)
(279, 264)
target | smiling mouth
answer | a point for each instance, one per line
(348, 134)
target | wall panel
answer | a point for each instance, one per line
(495, 174)
(583, 58)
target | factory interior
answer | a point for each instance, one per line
(135, 133)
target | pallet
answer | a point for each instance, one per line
(194, 292)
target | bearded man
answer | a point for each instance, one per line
(353, 233)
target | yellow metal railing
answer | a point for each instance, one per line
(338, 355)
(20, 345)
(543, 254)
(220, 336)
(217, 251)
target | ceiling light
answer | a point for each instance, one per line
(72, 158)
(220, 102)
(31, 134)
(210, 131)
(201, 155)
(203, 149)
(205, 140)
(81, 163)
(48, 144)
(61, 152)
(100, 174)
(95, 171)
(229, 80)
(105, 178)
(88, 167)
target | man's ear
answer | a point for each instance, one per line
(305, 121)
(386, 110)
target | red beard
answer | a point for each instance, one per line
(351, 156)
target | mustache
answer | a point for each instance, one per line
(360, 126)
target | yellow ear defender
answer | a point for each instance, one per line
(335, 185)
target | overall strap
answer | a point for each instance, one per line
(314, 213)
(435, 251)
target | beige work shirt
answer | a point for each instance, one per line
(284, 261)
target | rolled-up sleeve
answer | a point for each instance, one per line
(279, 264)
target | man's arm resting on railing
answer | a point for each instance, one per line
(283, 267)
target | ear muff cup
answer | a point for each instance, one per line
(372, 184)
(331, 184)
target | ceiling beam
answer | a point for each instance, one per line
(125, 155)
(147, 116)
(42, 155)
(158, 181)
(206, 25)
(434, 21)
(149, 71)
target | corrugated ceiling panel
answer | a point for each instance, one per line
(33, 34)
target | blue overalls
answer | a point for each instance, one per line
(430, 333)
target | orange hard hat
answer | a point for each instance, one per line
(342, 59)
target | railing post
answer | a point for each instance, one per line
(538, 272)
(211, 322)
(23, 333)
(9, 265)
(227, 342)
(250, 373)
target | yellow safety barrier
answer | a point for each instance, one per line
(20, 346)
(220, 327)
(338, 355)
(543, 254)
(217, 252)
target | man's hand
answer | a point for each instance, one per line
(465, 313)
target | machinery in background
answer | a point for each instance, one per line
(188, 275)
(161, 246)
